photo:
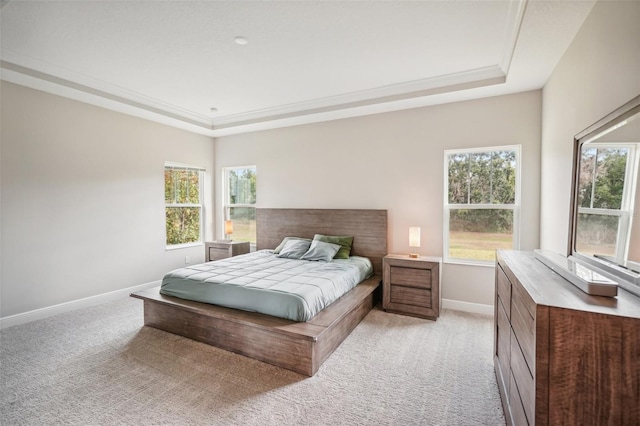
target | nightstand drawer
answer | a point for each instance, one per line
(410, 277)
(410, 296)
(218, 253)
(216, 250)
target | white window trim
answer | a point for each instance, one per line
(448, 207)
(201, 170)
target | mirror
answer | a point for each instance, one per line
(605, 208)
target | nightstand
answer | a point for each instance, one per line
(216, 250)
(411, 286)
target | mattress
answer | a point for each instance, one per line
(262, 282)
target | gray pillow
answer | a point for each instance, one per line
(320, 250)
(284, 241)
(294, 249)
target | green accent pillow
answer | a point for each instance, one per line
(284, 241)
(344, 242)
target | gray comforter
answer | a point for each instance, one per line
(261, 282)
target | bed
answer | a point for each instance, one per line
(298, 346)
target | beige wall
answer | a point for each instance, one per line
(82, 199)
(391, 161)
(81, 187)
(598, 73)
(394, 161)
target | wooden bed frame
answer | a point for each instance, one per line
(298, 346)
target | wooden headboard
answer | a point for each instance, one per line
(368, 228)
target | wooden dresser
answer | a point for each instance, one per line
(411, 286)
(563, 357)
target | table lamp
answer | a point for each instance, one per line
(414, 240)
(228, 229)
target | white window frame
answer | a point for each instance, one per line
(201, 170)
(625, 212)
(226, 204)
(448, 207)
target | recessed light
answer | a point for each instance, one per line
(241, 40)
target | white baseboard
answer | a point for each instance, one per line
(475, 308)
(49, 311)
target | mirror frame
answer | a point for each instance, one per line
(607, 123)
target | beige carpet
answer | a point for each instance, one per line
(100, 366)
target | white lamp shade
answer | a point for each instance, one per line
(228, 227)
(414, 237)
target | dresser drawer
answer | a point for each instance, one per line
(410, 296)
(523, 378)
(524, 329)
(518, 416)
(410, 277)
(503, 347)
(504, 290)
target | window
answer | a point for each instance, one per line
(482, 198)
(240, 201)
(605, 197)
(183, 204)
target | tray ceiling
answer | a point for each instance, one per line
(305, 61)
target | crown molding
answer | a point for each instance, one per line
(515, 16)
(373, 101)
(398, 92)
(109, 103)
(11, 61)
(43, 76)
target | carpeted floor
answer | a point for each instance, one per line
(100, 366)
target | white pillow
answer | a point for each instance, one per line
(294, 249)
(284, 241)
(320, 250)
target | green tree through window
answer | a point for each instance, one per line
(603, 199)
(183, 204)
(481, 204)
(240, 201)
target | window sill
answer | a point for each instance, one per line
(469, 262)
(182, 246)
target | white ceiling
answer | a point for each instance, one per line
(306, 61)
